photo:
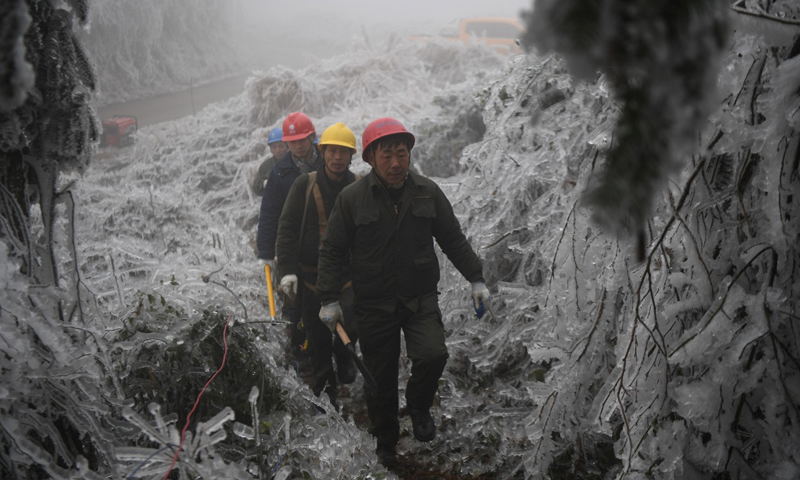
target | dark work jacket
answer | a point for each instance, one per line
(391, 253)
(291, 250)
(262, 174)
(280, 181)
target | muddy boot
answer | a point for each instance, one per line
(424, 428)
(387, 456)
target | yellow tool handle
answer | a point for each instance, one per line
(268, 274)
(342, 334)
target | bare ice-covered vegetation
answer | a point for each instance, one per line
(149, 47)
(597, 360)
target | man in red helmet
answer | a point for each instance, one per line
(383, 228)
(302, 157)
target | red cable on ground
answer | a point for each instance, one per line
(183, 432)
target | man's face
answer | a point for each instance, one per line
(391, 163)
(278, 149)
(300, 148)
(337, 159)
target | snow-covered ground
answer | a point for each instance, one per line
(589, 363)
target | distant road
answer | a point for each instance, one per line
(172, 106)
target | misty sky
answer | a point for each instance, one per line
(295, 32)
(401, 13)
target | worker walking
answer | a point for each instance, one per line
(303, 156)
(383, 228)
(300, 229)
(277, 149)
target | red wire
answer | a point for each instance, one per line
(183, 432)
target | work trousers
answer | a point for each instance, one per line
(379, 328)
(322, 344)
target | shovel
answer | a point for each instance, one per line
(352, 349)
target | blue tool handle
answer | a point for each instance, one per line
(479, 309)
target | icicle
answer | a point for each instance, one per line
(245, 431)
(155, 411)
(146, 426)
(254, 415)
(217, 421)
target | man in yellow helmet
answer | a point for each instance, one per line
(300, 228)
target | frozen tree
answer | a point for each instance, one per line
(46, 130)
(661, 60)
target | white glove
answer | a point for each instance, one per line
(289, 285)
(264, 261)
(330, 314)
(480, 298)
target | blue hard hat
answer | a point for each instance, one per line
(275, 135)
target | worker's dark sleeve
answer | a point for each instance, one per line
(287, 247)
(262, 175)
(448, 234)
(334, 252)
(271, 206)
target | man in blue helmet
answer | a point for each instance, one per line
(278, 149)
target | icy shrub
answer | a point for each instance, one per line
(49, 420)
(165, 357)
(458, 123)
(589, 457)
(275, 95)
(170, 371)
(683, 364)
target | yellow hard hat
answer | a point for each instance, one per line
(338, 134)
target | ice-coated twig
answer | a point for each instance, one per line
(217, 421)
(256, 430)
(144, 425)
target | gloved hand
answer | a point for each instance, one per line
(480, 298)
(289, 285)
(330, 314)
(265, 261)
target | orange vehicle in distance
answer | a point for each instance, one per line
(500, 33)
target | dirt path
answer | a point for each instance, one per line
(171, 106)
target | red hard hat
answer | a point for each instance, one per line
(383, 127)
(297, 126)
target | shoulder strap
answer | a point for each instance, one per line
(312, 180)
(321, 215)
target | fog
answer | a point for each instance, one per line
(297, 33)
(149, 48)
